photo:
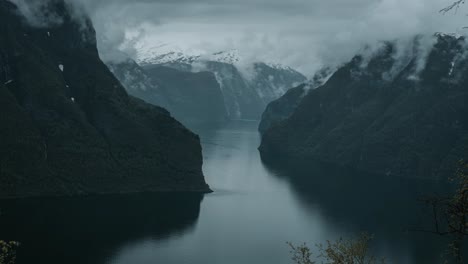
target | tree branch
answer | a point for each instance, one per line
(455, 5)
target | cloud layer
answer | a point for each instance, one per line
(304, 34)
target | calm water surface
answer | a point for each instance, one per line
(253, 212)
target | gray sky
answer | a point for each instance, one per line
(300, 33)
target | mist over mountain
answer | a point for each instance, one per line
(212, 131)
(286, 32)
(217, 87)
(401, 111)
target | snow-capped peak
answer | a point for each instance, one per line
(230, 56)
(169, 54)
(279, 66)
(452, 35)
(171, 57)
(177, 56)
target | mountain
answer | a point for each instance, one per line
(242, 102)
(67, 125)
(246, 90)
(272, 81)
(386, 114)
(283, 107)
(192, 98)
(179, 57)
(138, 83)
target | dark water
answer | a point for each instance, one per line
(254, 210)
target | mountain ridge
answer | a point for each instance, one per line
(405, 126)
(245, 93)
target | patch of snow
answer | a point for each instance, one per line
(413, 78)
(8, 82)
(451, 68)
(453, 35)
(162, 55)
(278, 66)
(72, 99)
(61, 67)
(171, 57)
(229, 57)
(48, 33)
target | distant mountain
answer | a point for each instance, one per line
(246, 90)
(68, 127)
(179, 57)
(402, 115)
(138, 83)
(192, 98)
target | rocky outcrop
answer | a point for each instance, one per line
(402, 116)
(67, 125)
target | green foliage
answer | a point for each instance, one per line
(342, 251)
(8, 252)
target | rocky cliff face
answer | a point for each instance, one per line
(242, 102)
(67, 125)
(192, 98)
(404, 116)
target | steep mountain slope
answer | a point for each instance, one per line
(67, 125)
(137, 82)
(242, 102)
(405, 117)
(192, 98)
(272, 81)
(282, 108)
(246, 91)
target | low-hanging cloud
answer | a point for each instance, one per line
(38, 13)
(304, 34)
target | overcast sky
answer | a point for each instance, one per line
(300, 33)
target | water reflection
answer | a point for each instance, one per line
(388, 207)
(90, 229)
(255, 209)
